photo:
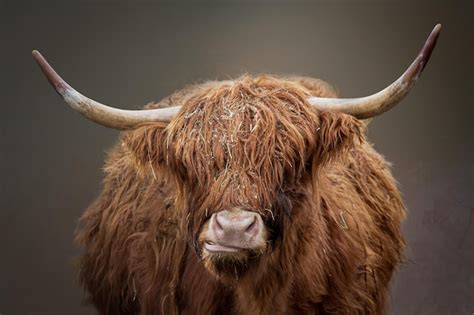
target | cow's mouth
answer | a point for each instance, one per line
(215, 248)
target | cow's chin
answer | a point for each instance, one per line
(230, 266)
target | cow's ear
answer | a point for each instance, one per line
(337, 134)
(146, 145)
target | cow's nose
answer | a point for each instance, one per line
(230, 226)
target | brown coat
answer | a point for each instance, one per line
(329, 199)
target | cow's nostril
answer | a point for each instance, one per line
(218, 224)
(252, 225)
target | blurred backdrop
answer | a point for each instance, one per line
(126, 53)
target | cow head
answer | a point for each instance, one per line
(241, 150)
(243, 153)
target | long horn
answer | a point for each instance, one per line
(380, 102)
(102, 114)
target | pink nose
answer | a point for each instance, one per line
(235, 226)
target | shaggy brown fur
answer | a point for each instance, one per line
(326, 196)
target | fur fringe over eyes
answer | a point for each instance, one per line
(253, 137)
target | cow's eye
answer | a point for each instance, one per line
(283, 203)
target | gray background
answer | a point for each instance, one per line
(128, 54)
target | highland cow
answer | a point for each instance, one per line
(259, 195)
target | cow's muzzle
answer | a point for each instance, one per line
(231, 231)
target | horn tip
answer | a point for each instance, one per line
(429, 46)
(54, 79)
(36, 55)
(436, 30)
